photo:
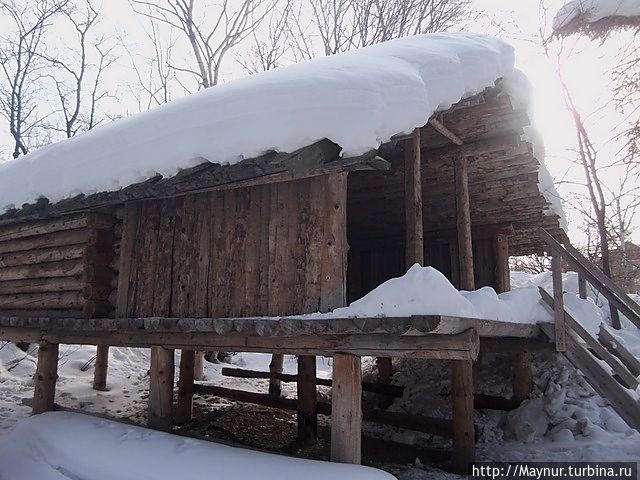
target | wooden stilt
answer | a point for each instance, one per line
(463, 427)
(413, 201)
(385, 372)
(346, 410)
(160, 414)
(582, 286)
(184, 405)
(463, 223)
(558, 302)
(198, 366)
(102, 365)
(522, 376)
(307, 399)
(275, 367)
(45, 378)
(502, 270)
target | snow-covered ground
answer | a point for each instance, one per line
(564, 421)
(60, 445)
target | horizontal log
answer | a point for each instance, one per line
(30, 229)
(41, 285)
(43, 255)
(30, 335)
(51, 240)
(387, 389)
(93, 291)
(79, 331)
(34, 301)
(65, 268)
(491, 402)
(434, 426)
(97, 308)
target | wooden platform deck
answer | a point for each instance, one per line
(431, 336)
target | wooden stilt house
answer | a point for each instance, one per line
(219, 257)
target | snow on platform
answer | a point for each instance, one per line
(358, 100)
(60, 445)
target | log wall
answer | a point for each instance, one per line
(58, 267)
(269, 249)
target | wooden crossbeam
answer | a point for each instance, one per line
(440, 128)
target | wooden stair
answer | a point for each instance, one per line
(610, 368)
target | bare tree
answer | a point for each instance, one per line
(22, 66)
(78, 94)
(210, 37)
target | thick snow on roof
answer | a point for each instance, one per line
(60, 445)
(357, 99)
(591, 11)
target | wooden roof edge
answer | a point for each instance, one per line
(322, 157)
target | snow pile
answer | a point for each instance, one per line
(426, 291)
(591, 11)
(65, 445)
(356, 99)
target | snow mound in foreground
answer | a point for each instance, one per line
(357, 99)
(59, 445)
(591, 11)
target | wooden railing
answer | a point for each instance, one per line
(587, 272)
(608, 366)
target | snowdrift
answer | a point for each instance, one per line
(59, 445)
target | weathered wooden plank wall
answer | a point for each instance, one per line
(58, 267)
(270, 249)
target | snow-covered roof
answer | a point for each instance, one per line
(357, 99)
(591, 11)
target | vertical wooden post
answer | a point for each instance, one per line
(385, 372)
(198, 366)
(346, 410)
(558, 301)
(582, 286)
(45, 379)
(276, 365)
(307, 399)
(502, 270)
(463, 223)
(522, 376)
(464, 445)
(102, 366)
(160, 415)
(184, 405)
(413, 200)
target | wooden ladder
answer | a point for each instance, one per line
(610, 368)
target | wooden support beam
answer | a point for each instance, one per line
(502, 270)
(463, 223)
(160, 416)
(45, 378)
(198, 365)
(385, 372)
(307, 399)
(558, 301)
(346, 410)
(390, 390)
(463, 428)
(275, 368)
(582, 286)
(102, 366)
(184, 404)
(522, 376)
(413, 201)
(444, 131)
